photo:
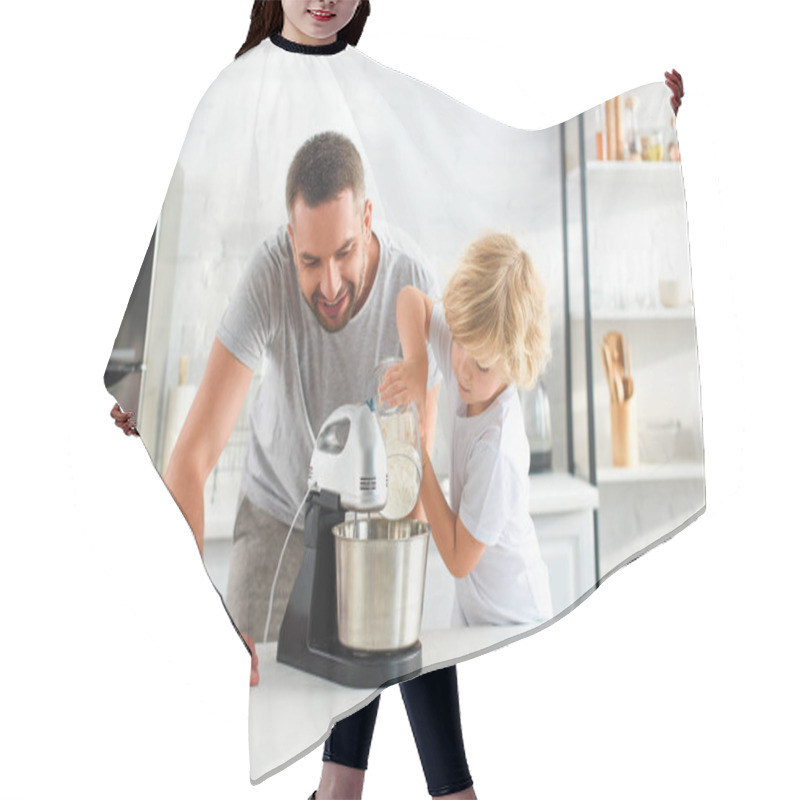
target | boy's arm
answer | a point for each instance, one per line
(407, 382)
(459, 549)
(414, 309)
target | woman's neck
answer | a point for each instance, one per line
(293, 34)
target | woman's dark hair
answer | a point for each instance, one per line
(266, 19)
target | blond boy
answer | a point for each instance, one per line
(489, 336)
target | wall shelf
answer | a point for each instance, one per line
(671, 471)
(627, 169)
(657, 314)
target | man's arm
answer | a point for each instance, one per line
(205, 433)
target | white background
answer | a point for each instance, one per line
(121, 676)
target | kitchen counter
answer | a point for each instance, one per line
(561, 493)
(291, 712)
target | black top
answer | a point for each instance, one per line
(309, 49)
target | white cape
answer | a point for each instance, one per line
(440, 174)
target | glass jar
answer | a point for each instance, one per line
(632, 144)
(400, 428)
(655, 146)
(536, 413)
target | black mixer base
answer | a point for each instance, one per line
(358, 669)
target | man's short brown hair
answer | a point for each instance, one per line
(326, 165)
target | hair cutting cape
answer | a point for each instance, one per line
(597, 202)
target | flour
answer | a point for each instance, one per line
(403, 464)
(404, 473)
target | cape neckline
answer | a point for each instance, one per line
(308, 49)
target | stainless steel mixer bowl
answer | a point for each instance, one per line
(380, 582)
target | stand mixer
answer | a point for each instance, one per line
(348, 472)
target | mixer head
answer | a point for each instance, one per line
(349, 459)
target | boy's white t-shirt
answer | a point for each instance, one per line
(489, 491)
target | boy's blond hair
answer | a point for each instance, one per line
(495, 307)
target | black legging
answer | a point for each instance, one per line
(433, 711)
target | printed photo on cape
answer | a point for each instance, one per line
(613, 427)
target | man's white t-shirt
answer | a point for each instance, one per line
(489, 491)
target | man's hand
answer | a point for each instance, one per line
(404, 384)
(251, 646)
(124, 420)
(675, 83)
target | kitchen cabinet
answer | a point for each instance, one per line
(563, 507)
(629, 273)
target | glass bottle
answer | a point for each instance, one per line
(536, 413)
(633, 151)
(673, 152)
(601, 152)
(655, 146)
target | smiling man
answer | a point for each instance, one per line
(330, 229)
(316, 305)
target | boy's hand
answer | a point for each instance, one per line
(406, 383)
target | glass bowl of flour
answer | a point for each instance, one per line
(400, 429)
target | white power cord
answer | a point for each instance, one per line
(280, 560)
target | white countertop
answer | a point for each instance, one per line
(554, 493)
(292, 712)
(561, 493)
